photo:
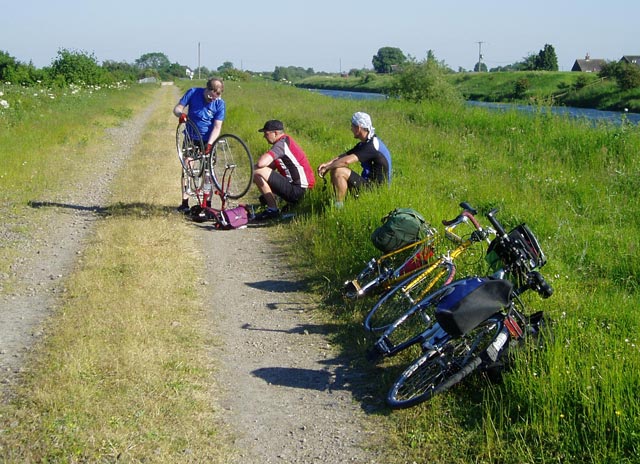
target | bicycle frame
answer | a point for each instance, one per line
(442, 268)
(387, 277)
(388, 274)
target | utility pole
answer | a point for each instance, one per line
(198, 60)
(480, 56)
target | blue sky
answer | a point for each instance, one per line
(330, 35)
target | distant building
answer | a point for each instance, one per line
(588, 65)
(147, 80)
(631, 59)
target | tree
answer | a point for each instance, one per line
(426, 80)
(480, 67)
(386, 58)
(226, 65)
(626, 75)
(154, 60)
(77, 67)
(547, 60)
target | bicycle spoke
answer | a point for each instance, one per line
(231, 166)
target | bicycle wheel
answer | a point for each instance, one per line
(190, 150)
(438, 370)
(406, 294)
(189, 145)
(231, 166)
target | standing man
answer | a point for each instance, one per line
(371, 152)
(284, 170)
(206, 109)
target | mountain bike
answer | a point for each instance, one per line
(476, 319)
(437, 273)
(226, 171)
(382, 273)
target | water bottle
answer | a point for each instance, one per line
(207, 183)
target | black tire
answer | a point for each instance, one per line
(398, 300)
(437, 371)
(189, 144)
(190, 148)
(231, 166)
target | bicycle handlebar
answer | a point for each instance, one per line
(468, 214)
(491, 215)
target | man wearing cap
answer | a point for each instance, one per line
(284, 170)
(370, 151)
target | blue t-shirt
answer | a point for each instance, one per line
(201, 112)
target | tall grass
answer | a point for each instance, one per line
(574, 183)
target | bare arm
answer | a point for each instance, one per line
(215, 133)
(338, 162)
(264, 161)
(178, 110)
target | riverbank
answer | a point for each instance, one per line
(580, 90)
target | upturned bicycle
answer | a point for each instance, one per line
(476, 319)
(225, 171)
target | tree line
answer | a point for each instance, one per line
(416, 80)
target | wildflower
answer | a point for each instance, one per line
(4, 104)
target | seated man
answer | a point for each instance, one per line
(284, 170)
(371, 152)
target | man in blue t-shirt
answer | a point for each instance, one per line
(371, 152)
(206, 109)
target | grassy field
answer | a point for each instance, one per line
(575, 185)
(583, 90)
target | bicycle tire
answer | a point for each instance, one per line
(410, 328)
(190, 148)
(437, 371)
(397, 301)
(189, 144)
(231, 166)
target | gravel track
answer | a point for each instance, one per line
(285, 394)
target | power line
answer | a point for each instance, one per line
(480, 55)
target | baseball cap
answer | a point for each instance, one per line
(272, 125)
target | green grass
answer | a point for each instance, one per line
(574, 184)
(583, 90)
(124, 373)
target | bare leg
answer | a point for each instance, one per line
(339, 179)
(260, 177)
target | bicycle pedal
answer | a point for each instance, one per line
(351, 288)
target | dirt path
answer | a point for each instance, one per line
(285, 394)
(58, 227)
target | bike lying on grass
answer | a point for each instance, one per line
(226, 171)
(476, 320)
(436, 273)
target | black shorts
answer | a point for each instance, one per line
(285, 189)
(357, 182)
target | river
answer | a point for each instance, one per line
(589, 114)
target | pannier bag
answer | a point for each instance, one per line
(522, 238)
(233, 218)
(400, 227)
(468, 302)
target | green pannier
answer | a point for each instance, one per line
(400, 227)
